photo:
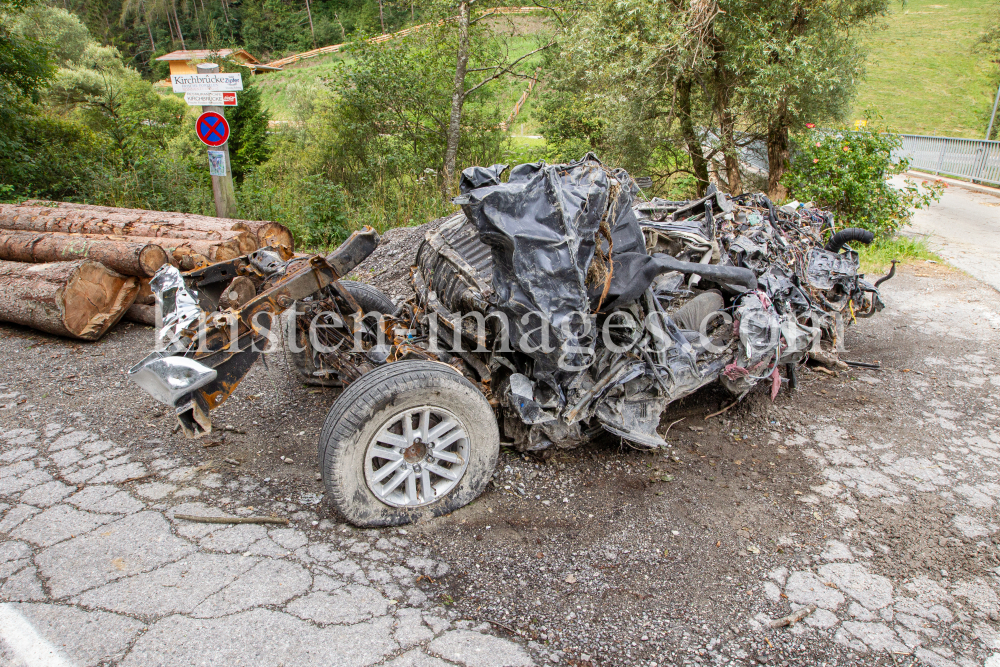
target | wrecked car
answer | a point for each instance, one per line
(555, 306)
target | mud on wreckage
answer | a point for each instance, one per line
(556, 305)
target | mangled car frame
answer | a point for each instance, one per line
(554, 307)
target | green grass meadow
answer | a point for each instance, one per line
(925, 74)
(281, 90)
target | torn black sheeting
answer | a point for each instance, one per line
(695, 291)
(566, 244)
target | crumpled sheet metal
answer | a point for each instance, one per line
(542, 227)
(734, 289)
(177, 303)
(826, 269)
(547, 227)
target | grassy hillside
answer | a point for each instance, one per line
(279, 90)
(924, 74)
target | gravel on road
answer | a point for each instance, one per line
(871, 494)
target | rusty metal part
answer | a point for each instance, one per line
(335, 333)
(266, 284)
(353, 251)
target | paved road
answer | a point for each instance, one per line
(964, 228)
(871, 495)
(97, 570)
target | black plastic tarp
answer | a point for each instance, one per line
(543, 228)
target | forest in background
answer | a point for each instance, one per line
(677, 91)
(141, 30)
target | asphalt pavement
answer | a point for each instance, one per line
(964, 229)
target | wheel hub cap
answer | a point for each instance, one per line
(418, 456)
(415, 453)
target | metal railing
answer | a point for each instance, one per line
(974, 159)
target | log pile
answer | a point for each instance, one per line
(123, 221)
(76, 269)
(81, 299)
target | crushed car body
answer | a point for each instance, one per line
(639, 303)
(569, 303)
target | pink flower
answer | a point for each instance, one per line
(818, 145)
(810, 125)
(815, 160)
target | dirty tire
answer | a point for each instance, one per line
(370, 299)
(376, 399)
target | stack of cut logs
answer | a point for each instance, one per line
(75, 269)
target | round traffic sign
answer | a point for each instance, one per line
(212, 128)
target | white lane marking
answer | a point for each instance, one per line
(25, 641)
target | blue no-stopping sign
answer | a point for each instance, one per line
(212, 128)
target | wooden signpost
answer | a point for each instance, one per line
(208, 86)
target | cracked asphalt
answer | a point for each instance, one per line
(871, 495)
(104, 573)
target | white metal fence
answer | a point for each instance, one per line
(966, 158)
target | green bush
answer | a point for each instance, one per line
(96, 131)
(847, 172)
(314, 209)
(45, 156)
(369, 146)
(385, 118)
(323, 211)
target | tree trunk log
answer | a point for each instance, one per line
(214, 251)
(267, 232)
(141, 313)
(454, 135)
(694, 145)
(80, 299)
(732, 158)
(777, 154)
(83, 222)
(129, 257)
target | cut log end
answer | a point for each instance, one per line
(227, 251)
(95, 298)
(239, 292)
(268, 233)
(79, 299)
(151, 258)
(274, 235)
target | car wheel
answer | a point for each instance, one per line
(407, 440)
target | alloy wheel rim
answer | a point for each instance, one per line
(417, 457)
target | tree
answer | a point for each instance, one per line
(248, 123)
(312, 28)
(797, 62)
(147, 10)
(60, 32)
(24, 62)
(97, 131)
(392, 113)
(498, 66)
(25, 69)
(714, 76)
